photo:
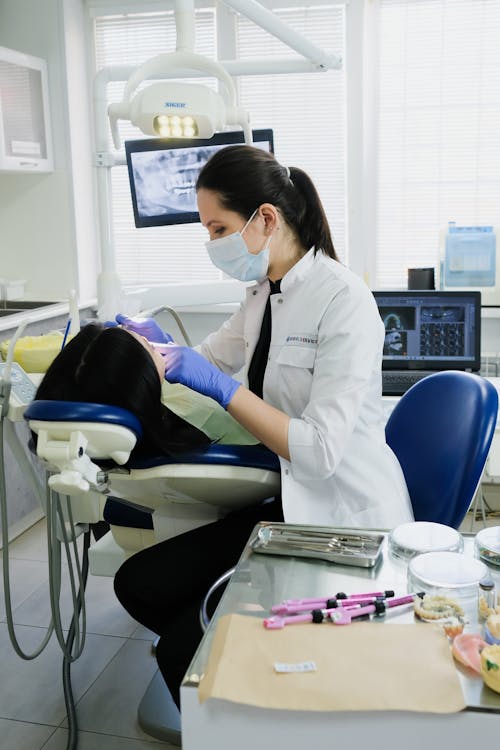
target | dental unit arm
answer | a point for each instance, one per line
(71, 451)
(16, 391)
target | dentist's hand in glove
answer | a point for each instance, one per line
(146, 327)
(184, 365)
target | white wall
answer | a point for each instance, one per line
(38, 228)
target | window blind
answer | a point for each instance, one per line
(295, 106)
(307, 111)
(437, 127)
(155, 254)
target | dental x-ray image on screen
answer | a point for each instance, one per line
(163, 174)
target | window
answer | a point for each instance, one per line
(296, 106)
(437, 114)
(306, 111)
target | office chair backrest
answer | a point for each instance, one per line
(441, 431)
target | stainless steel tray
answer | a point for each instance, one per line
(362, 549)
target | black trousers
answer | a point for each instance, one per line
(162, 587)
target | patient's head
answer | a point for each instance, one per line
(115, 367)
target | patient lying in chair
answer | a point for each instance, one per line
(116, 367)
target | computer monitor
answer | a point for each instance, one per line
(430, 330)
(163, 174)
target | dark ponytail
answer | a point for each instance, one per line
(244, 177)
(314, 230)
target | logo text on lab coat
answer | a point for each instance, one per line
(302, 339)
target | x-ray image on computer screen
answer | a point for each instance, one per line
(163, 173)
(165, 180)
(396, 343)
(398, 318)
(451, 314)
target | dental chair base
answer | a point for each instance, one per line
(157, 714)
(106, 556)
(133, 529)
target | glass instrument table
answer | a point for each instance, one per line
(260, 581)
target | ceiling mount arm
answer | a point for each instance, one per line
(270, 22)
(185, 25)
(169, 63)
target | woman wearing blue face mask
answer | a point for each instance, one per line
(308, 339)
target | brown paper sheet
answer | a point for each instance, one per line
(360, 667)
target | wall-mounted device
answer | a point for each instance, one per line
(468, 261)
(163, 174)
(25, 135)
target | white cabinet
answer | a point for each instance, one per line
(25, 135)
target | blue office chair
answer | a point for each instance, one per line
(441, 431)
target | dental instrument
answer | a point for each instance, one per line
(338, 615)
(287, 609)
(324, 600)
(65, 334)
(334, 545)
(16, 390)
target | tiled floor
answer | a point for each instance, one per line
(108, 680)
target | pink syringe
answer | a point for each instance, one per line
(302, 605)
(338, 615)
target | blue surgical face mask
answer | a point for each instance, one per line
(230, 254)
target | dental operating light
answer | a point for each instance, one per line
(175, 110)
(170, 109)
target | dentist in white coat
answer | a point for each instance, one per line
(308, 339)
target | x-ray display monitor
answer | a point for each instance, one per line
(163, 174)
(430, 330)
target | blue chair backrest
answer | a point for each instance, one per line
(441, 431)
(253, 456)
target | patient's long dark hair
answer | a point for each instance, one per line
(109, 366)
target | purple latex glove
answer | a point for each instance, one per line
(146, 327)
(184, 365)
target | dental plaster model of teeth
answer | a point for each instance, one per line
(437, 608)
(490, 667)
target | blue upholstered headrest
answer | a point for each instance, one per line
(76, 411)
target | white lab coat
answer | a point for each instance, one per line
(324, 371)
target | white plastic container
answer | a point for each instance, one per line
(487, 545)
(449, 574)
(410, 539)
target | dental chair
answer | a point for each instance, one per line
(87, 448)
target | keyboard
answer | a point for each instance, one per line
(397, 382)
